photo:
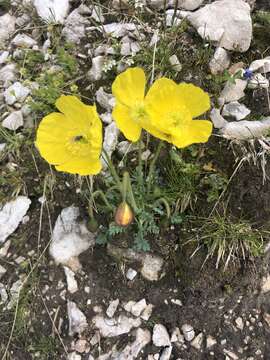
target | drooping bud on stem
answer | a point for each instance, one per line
(124, 215)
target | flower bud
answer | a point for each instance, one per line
(124, 215)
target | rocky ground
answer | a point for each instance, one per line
(62, 296)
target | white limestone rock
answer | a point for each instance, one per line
(77, 319)
(106, 100)
(14, 292)
(160, 336)
(197, 341)
(3, 294)
(190, 4)
(220, 61)
(104, 49)
(112, 308)
(132, 351)
(72, 284)
(166, 353)
(138, 308)
(181, 4)
(23, 40)
(8, 74)
(265, 284)
(106, 118)
(233, 91)
(188, 332)
(75, 24)
(236, 110)
(54, 11)
(16, 93)
(225, 22)
(129, 46)
(118, 30)
(4, 249)
(152, 266)
(7, 27)
(13, 121)
(177, 337)
(262, 65)
(246, 130)
(131, 273)
(3, 57)
(96, 70)
(239, 323)
(70, 238)
(11, 214)
(147, 312)
(258, 81)
(2, 271)
(174, 61)
(115, 327)
(210, 341)
(110, 138)
(217, 119)
(128, 306)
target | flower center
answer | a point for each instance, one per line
(78, 145)
(138, 112)
(177, 119)
(80, 139)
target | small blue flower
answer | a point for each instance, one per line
(248, 74)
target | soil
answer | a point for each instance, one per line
(211, 299)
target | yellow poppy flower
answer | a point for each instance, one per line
(128, 89)
(171, 109)
(166, 112)
(71, 140)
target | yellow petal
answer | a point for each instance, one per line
(157, 133)
(195, 99)
(129, 86)
(162, 95)
(51, 139)
(73, 109)
(165, 107)
(197, 131)
(131, 130)
(83, 166)
(95, 130)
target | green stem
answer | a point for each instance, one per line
(140, 167)
(129, 191)
(113, 171)
(90, 208)
(100, 193)
(125, 185)
(166, 204)
(152, 166)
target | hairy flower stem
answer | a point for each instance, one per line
(96, 194)
(128, 192)
(166, 205)
(100, 193)
(140, 166)
(113, 171)
(152, 167)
